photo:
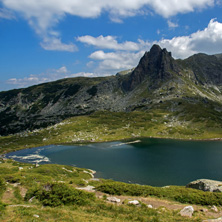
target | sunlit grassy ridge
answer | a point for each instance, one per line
(193, 121)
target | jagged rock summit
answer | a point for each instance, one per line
(157, 65)
(158, 82)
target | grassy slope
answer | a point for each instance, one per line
(21, 183)
(107, 126)
(182, 123)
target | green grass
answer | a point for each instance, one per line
(175, 193)
(57, 200)
(108, 126)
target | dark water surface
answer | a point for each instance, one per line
(156, 162)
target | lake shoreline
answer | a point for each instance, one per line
(150, 153)
(82, 142)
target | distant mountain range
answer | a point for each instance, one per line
(190, 87)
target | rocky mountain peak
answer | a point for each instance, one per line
(155, 50)
(157, 64)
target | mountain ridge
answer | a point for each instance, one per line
(159, 81)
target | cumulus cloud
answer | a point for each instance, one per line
(55, 44)
(48, 76)
(44, 15)
(109, 42)
(113, 62)
(207, 41)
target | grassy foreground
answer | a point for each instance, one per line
(52, 188)
(49, 193)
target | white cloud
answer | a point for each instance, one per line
(113, 62)
(6, 14)
(207, 41)
(43, 15)
(109, 42)
(51, 10)
(172, 24)
(55, 44)
(168, 8)
(48, 76)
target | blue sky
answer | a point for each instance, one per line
(43, 41)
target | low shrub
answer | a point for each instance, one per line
(180, 194)
(2, 185)
(59, 194)
(2, 208)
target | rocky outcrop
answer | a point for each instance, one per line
(207, 68)
(157, 65)
(206, 185)
(134, 202)
(113, 199)
(187, 211)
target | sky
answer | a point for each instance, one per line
(46, 40)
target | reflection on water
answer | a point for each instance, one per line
(155, 162)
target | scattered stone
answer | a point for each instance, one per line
(214, 208)
(20, 168)
(88, 188)
(15, 184)
(206, 185)
(90, 173)
(19, 205)
(134, 202)
(163, 209)
(31, 199)
(94, 179)
(204, 210)
(113, 199)
(36, 165)
(86, 181)
(214, 220)
(150, 206)
(35, 215)
(70, 171)
(166, 187)
(187, 211)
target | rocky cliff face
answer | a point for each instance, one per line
(157, 65)
(158, 79)
(207, 69)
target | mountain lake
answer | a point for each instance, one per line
(156, 162)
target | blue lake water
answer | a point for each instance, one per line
(156, 162)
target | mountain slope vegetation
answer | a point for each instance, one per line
(188, 91)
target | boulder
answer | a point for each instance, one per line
(187, 211)
(87, 188)
(134, 202)
(206, 185)
(214, 208)
(113, 199)
(36, 215)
